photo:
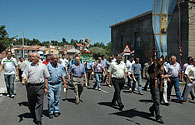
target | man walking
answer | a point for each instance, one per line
(190, 75)
(129, 64)
(104, 62)
(136, 74)
(57, 75)
(155, 89)
(35, 77)
(10, 66)
(77, 70)
(98, 70)
(89, 67)
(189, 62)
(173, 69)
(117, 71)
(145, 73)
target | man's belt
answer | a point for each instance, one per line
(77, 76)
(117, 78)
(34, 84)
(51, 83)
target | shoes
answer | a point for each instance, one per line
(141, 93)
(159, 120)
(121, 107)
(50, 116)
(12, 96)
(39, 123)
(99, 89)
(166, 104)
(151, 112)
(168, 100)
(109, 86)
(8, 95)
(56, 114)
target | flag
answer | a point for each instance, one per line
(161, 14)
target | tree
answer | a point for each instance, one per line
(4, 40)
(54, 42)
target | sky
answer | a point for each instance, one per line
(48, 20)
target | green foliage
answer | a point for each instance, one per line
(4, 40)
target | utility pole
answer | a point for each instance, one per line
(23, 44)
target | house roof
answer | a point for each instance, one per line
(130, 19)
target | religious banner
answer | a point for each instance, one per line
(161, 14)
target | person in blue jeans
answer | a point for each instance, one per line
(57, 75)
(98, 70)
(173, 69)
(10, 66)
(136, 74)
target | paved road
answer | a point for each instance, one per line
(95, 109)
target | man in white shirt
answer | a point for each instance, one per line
(117, 71)
(129, 64)
(190, 75)
(10, 66)
(64, 63)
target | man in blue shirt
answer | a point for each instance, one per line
(136, 74)
(77, 70)
(57, 75)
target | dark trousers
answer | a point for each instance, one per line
(118, 85)
(20, 75)
(155, 92)
(129, 81)
(35, 95)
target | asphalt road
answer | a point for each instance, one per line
(95, 109)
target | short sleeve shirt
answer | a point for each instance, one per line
(36, 73)
(9, 65)
(77, 70)
(137, 68)
(99, 67)
(173, 70)
(190, 70)
(129, 65)
(117, 70)
(56, 73)
(64, 62)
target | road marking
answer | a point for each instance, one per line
(104, 91)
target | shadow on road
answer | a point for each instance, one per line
(146, 101)
(131, 113)
(72, 100)
(109, 104)
(23, 103)
(24, 115)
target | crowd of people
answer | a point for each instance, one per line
(48, 76)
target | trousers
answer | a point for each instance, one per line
(118, 85)
(78, 87)
(155, 92)
(35, 95)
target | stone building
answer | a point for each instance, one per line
(137, 32)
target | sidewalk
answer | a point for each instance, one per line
(2, 83)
